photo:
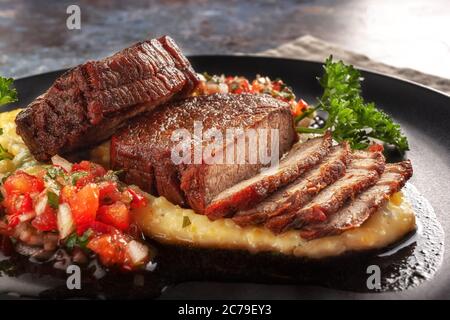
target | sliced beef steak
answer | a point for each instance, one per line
(363, 206)
(145, 147)
(88, 103)
(247, 193)
(301, 191)
(364, 171)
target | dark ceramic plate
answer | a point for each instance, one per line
(424, 115)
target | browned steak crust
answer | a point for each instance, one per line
(89, 102)
(363, 172)
(301, 191)
(302, 157)
(145, 145)
(355, 213)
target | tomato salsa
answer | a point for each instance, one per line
(210, 84)
(80, 207)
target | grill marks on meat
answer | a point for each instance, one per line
(364, 205)
(299, 192)
(363, 172)
(88, 103)
(144, 147)
(247, 193)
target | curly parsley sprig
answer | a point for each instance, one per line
(7, 93)
(349, 116)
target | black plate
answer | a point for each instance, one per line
(424, 115)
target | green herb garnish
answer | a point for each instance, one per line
(54, 172)
(112, 175)
(79, 241)
(4, 154)
(1, 131)
(186, 222)
(7, 93)
(349, 116)
(53, 199)
(77, 175)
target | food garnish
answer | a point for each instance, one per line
(351, 118)
(82, 206)
(277, 88)
(8, 94)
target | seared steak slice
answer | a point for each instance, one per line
(299, 192)
(89, 102)
(363, 206)
(363, 172)
(247, 193)
(146, 145)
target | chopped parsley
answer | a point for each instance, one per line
(53, 199)
(79, 241)
(54, 172)
(349, 116)
(186, 222)
(4, 154)
(77, 175)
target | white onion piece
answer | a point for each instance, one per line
(137, 252)
(63, 163)
(223, 88)
(27, 216)
(65, 221)
(41, 203)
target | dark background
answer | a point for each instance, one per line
(403, 33)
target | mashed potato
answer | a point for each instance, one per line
(169, 223)
(14, 145)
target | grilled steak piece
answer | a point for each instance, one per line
(364, 171)
(247, 193)
(89, 102)
(144, 148)
(301, 191)
(363, 206)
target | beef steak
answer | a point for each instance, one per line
(144, 149)
(89, 102)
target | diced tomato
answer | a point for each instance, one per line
(376, 147)
(21, 183)
(111, 248)
(109, 193)
(299, 108)
(93, 171)
(13, 220)
(139, 200)
(84, 205)
(82, 181)
(116, 214)
(46, 221)
(15, 205)
(93, 168)
(67, 192)
(81, 166)
(256, 87)
(100, 227)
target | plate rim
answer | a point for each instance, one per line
(263, 57)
